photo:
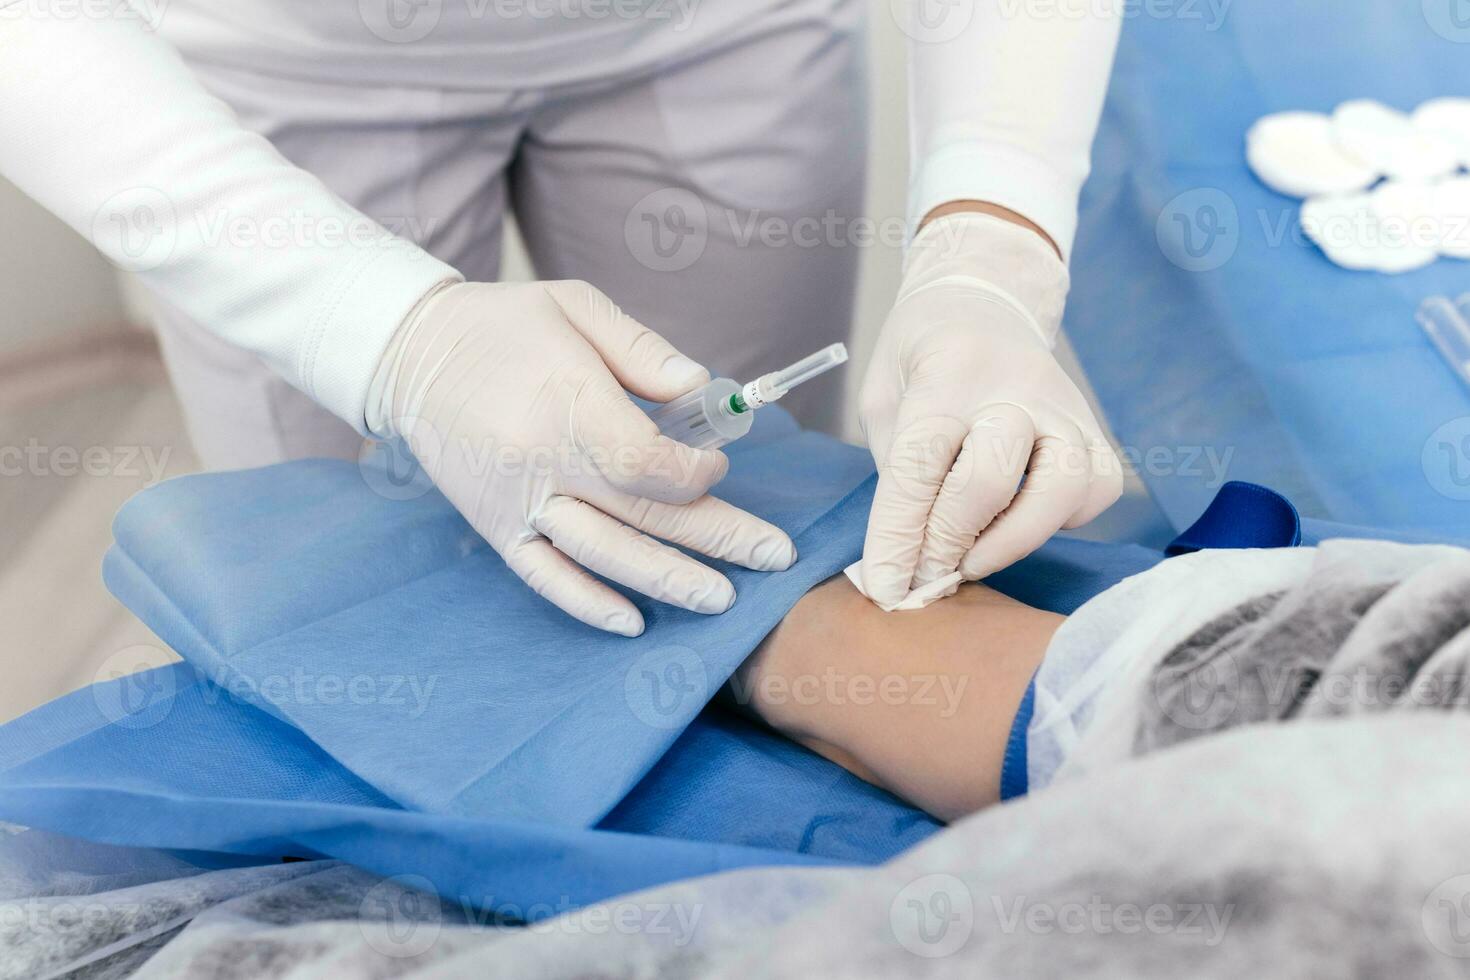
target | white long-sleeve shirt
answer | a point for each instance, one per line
(102, 122)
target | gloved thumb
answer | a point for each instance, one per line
(642, 361)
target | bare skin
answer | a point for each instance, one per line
(995, 211)
(919, 703)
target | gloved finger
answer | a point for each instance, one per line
(1107, 483)
(625, 447)
(909, 477)
(709, 526)
(643, 362)
(979, 486)
(616, 551)
(557, 578)
(1057, 481)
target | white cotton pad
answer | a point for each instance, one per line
(1350, 233)
(917, 599)
(1294, 153)
(1407, 211)
(1450, 120)
(1387, 141)
(1452, 206)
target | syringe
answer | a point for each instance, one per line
(723, 410)
(1448, 325)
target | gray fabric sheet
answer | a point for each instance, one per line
(1356, 636)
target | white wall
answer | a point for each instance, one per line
(52, 283)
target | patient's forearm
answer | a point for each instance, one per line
(920, 703)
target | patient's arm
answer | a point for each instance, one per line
(920, 703)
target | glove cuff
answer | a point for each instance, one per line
(379, 410)
(991, 254)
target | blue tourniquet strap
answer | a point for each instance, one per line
(1242, 515)
(1013, 777)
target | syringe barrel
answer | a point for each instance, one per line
(703, 418)
(1448, 327)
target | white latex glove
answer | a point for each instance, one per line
(512, 398)
(962, 399)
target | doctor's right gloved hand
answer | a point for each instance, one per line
(512, 398)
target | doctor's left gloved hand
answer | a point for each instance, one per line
(963, 399)
(511, 396)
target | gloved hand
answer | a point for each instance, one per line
(511, 397)
(962, 399)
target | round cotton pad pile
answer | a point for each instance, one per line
(1450, 120)
(1352, 232)
(1294, 153)
(1452, 205)
(1421, 212)
(1389, 142)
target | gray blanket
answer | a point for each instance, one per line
(1354, 637)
